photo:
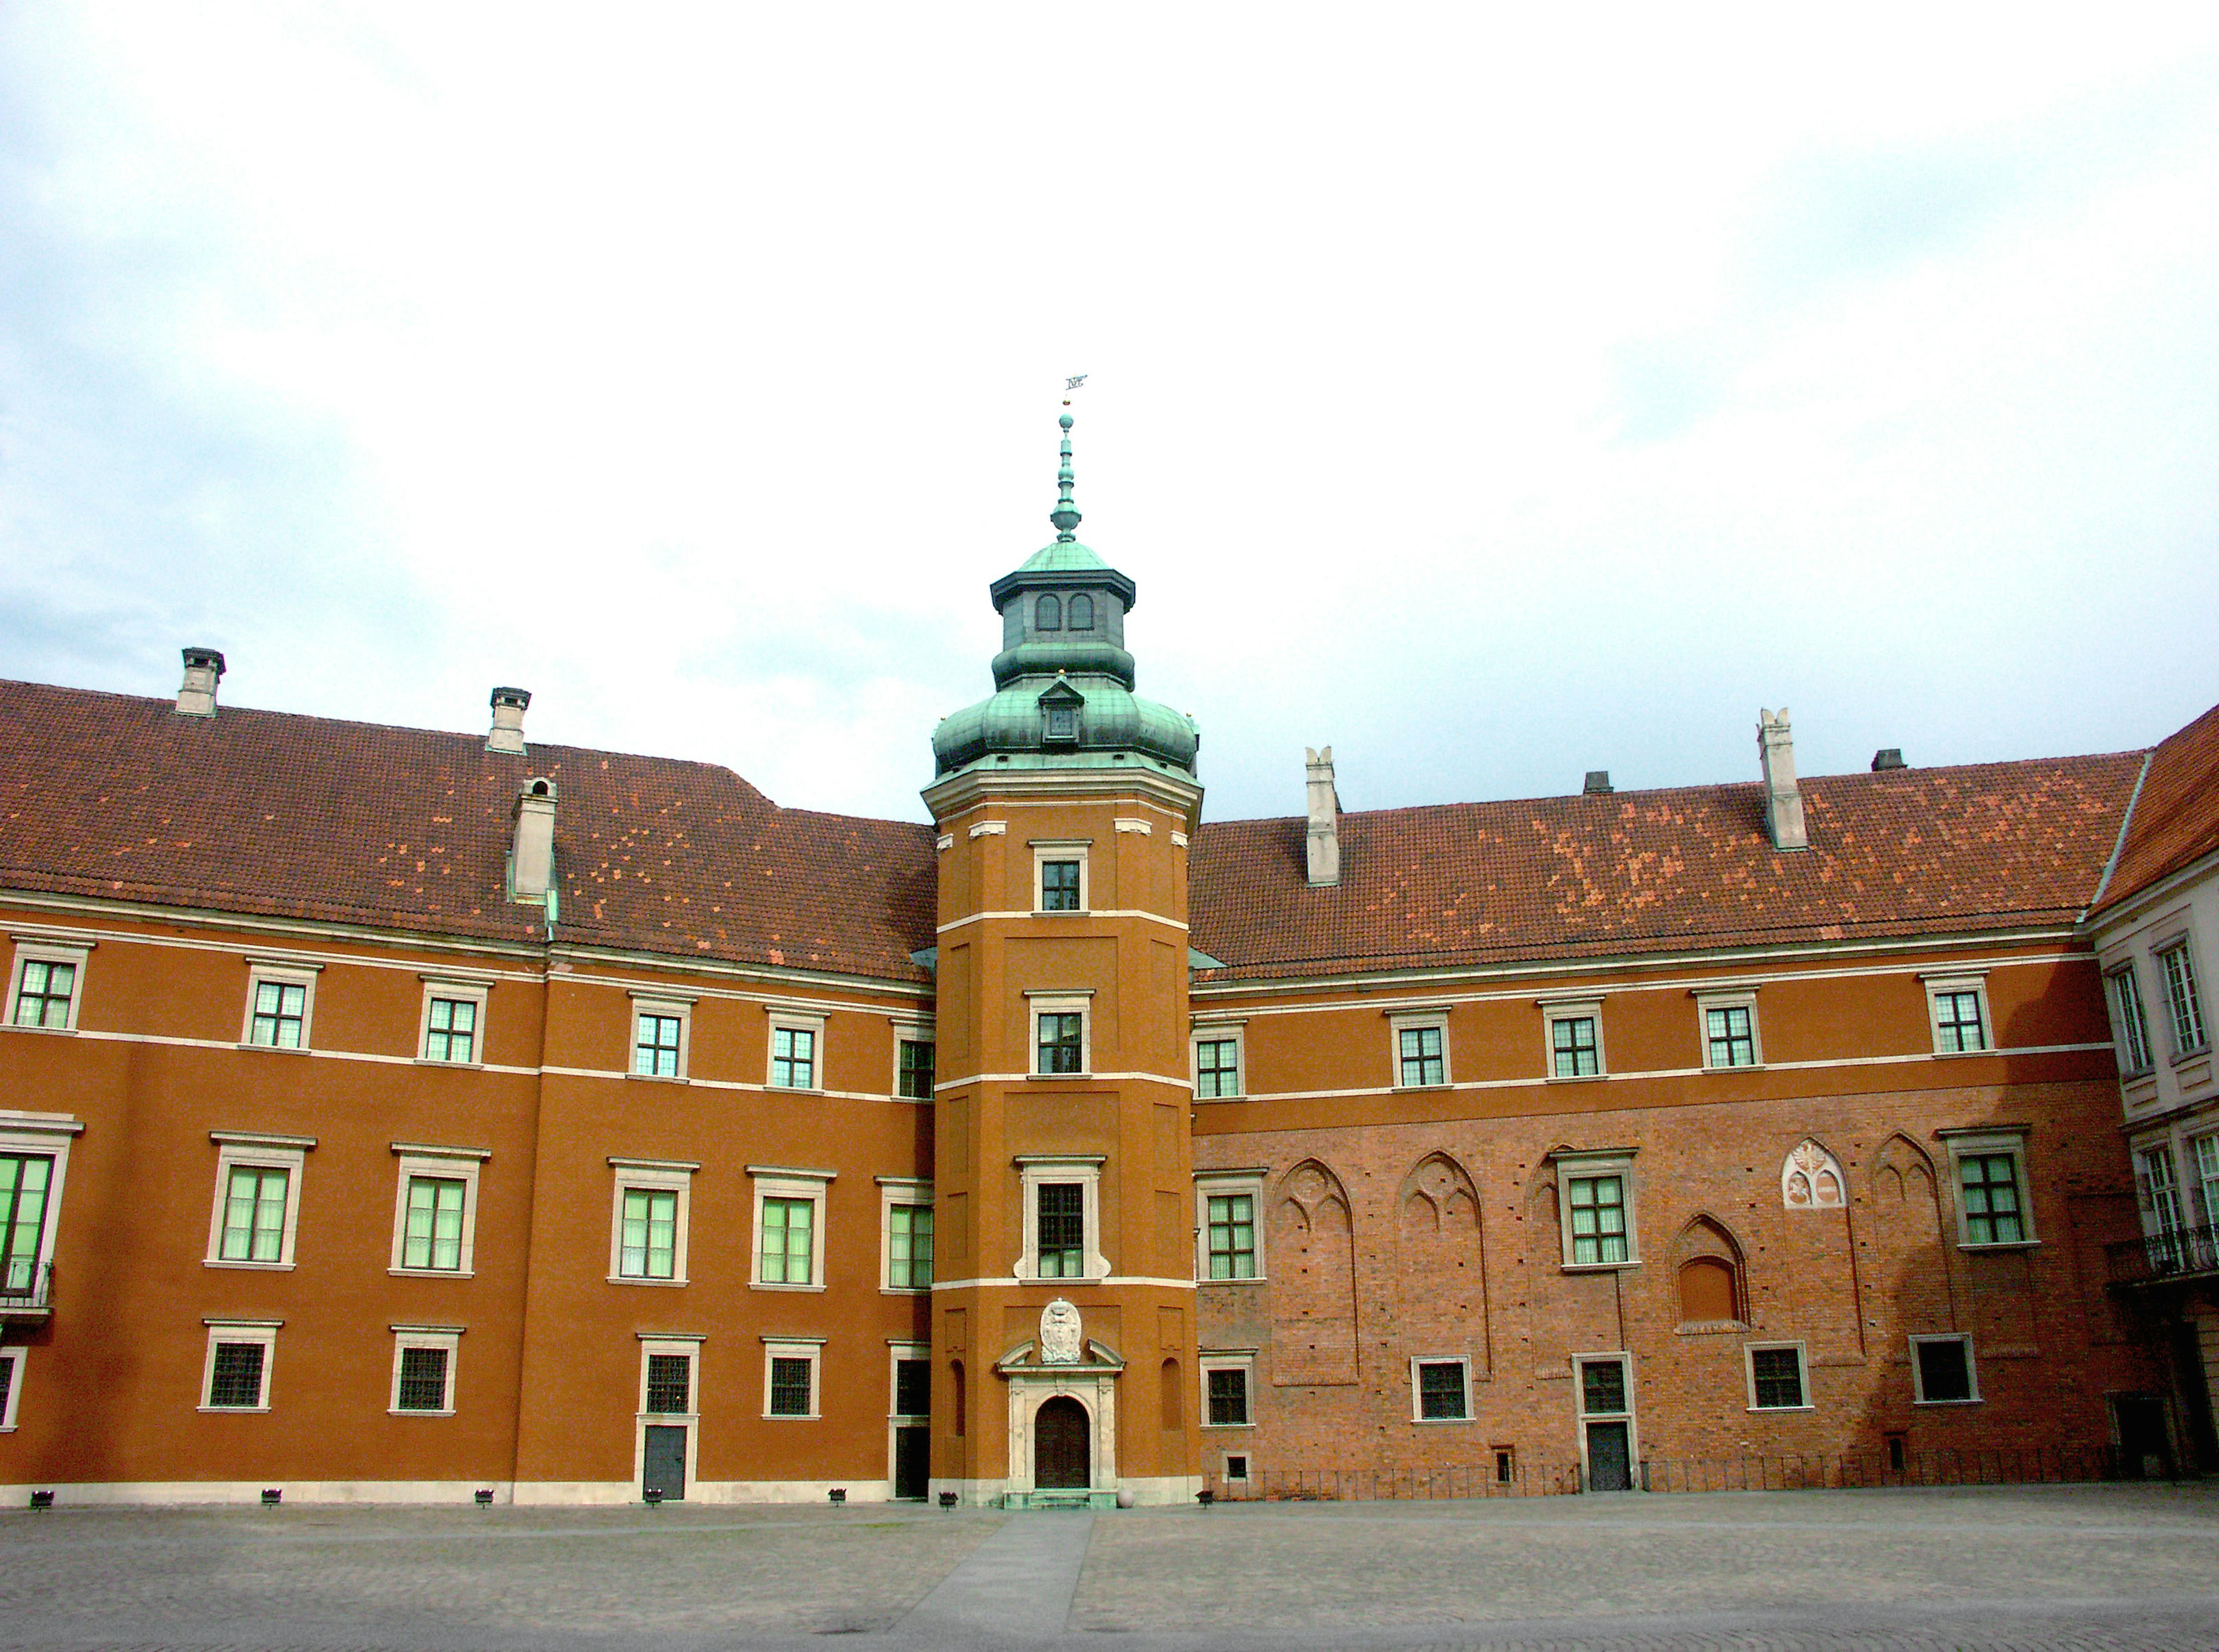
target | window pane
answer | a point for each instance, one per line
(647, 1245)
(916, 1070)
(786, 1241)
(1602, 1387)
(1232, 1240)
(1440, 1390)
(1062, 1207)
(1059, 885)
(655, 1054)
(24, 1182)
(1217, 1068)
(1989, 1184)
(1059, 1042)
(1229, 1398)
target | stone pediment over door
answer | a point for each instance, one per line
(1095, 1360)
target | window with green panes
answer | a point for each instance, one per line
(909, 1247)
(1062, 1218)
(916, 1079)
(1731, 1035)
(1216, 1068)
(655, 1045)
(1422, 1062)
(1574, 1046)
(1958, 1025)
(794, 1057)
(1061, 1041)
(254, 1213)
(280, 1012)
(785, 1253)
(452, 1030)
(647, 1248)
(1989, 1184)
(42, 996)
(1598, 1207)
(1232, 1235)
(431, 1236)
(24, 1180)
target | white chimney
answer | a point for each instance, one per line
(1324, 822)
(507, 734)
(203, 669)
(531, 861)
(1783, 803)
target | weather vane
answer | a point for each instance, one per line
(1069, 385)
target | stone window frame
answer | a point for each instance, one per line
(1918, 1377)
(280, 971)
(908, 1190)
(784, 1181)
(1586, 1166)
(1400, 1021)
(784, 1018)
(222, 1330)
(914, 1029)
(38, 949)
(453, 989)
(1209, 1185)
(658, 1002)
(1749, 1351)
(809, 1348)
(42, 1135)
(448, 1338)
(1242, 1360)
(686, 1345)
(1045, 849)
(1587, 1007)
(1062, 1002)
(1957, 981)
(1706, 1000)
(12, 1384)
(2190, 995)
(651, 1175)
(1037, 1169)
(1231, 1030)
(422, 1159)
(1990, 1142)
(1226, 1461)
(2123, 996)
(254, 1150)
(1418, 1362)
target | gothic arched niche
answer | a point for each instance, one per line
(1810, 1178)
(1312, 1266)
(1437, 1196)
(1712, 1274)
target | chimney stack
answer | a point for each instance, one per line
(507, 734)
(1888, 757)
(1783, 803)
(1324, 822)
(531, 861)
(1598, 783)
(203, 670)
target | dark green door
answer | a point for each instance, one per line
(1610, 1465)
(1059, 1445)
(912, 1460)
(664, 1467)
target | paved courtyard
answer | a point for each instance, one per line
(2104, 1567)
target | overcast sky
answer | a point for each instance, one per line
(1495, 399)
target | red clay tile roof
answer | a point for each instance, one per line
(2176, 818)
(265, 813)
(1992, 846)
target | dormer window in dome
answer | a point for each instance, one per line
(1048, 614)
(1059, 708)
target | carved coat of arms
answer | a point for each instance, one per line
(1058, 1333)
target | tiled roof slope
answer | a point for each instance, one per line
(2176, 818)
(1903, 851)
(265, 813)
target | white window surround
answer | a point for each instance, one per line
(46, 1134)
(460, 990)
(1242, 1360)
(445, 1164)
(660, 1002)
(1065, 1002)
(777, 1182)
(688, 1347)
(264, 1331)
(1556, 1009)
(283, 973)
(912, 1029)
(811, 1022)
(12, 1384)
(1706, 1001)
(2180, 945)
(1582, 1416)
(1208, 1184)
(1046, 849)
(1235, 1031)
(1417, 1398)
(39, 950)
(1989, 1140)
(1974, 981)
(1749, 1353)
(809, 1348)
(1972, 1370)
(448, 1337)
(2123, 996)
(1400, 1021)
(896, 1353)
(655, 1175)
(1613, 1161)
(1036, 1170)
(899, 1190)
(242, 1149)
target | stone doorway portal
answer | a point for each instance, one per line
(1059, 1445)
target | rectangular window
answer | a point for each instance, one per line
(1062, 1230)
(1730, 1036)
(1232, 1236)
(1598, 1218)
(1992, 1211)
(423, 1380)
(1228, 1397)
(451, 1030)
(1959, 1026)
(2127, 1021)
(235, 1377)
(909, 1247)
(648, 1247)
(789, 1386)
(1942, 1370)
(656, 1045)
(1216, 1068)
(1061, 1041)
(792, 1058)
(914, 1082)
(1775, 1378)
(1423, 1062)
(1573, 1052)
(2207, 1177)
(44, 990)
(254, 1214)
(1441, 1391)
(670, 1384)
(25, 1179)
(912, 1388)
(431, 1236)
(1602, 1387)
(280, 1014)
(11, 1386)
(1059, 885)
(2182, 1004)
(787, 1246)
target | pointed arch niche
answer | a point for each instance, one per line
(1712, 1273)
(1440, 1287)
(1810, 1178)
(1313, 1267)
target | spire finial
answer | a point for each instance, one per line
(1066, 514)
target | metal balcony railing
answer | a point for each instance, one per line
(2175, 1253)
(27, 1292)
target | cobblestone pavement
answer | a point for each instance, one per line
(2015, 1569)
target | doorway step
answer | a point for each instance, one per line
(1060, 1498)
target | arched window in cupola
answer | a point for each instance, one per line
(1047, 614)
(1081, 612)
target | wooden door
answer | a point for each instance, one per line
(1059, 1445)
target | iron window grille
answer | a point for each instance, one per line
(792, 1058)
(431, 1237)
(912, 1388)
(914, 1081)
(281, 1012)
(787, 1241)
(2181, 999)
(2134, 1027)
(1958, 1024)
(1440, 1390)
(648, 1246)
(1423, 1062)
(1229, 1397)
(423, 1380)
(254, 1214)
(1061, 1041)
(789, 1387)
(909, 1247)
(1062, 1229)
(451, 1032)
(1777, 1375)
(655, 1045)
(42, 998)
(1732, 1036)
(1217, 1068)
(1990, 1185)
(235, 1377)
(1060, 883)
(669, 1384)
(1602, 1387)
(24, 1181)
(1232, 1236)
(1572, 1041)
(1598, 1204)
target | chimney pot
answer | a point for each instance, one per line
(1598, 783)
(1324, 854)
(203, 670)
(507, 734)
(532, 858)
(1888, 757)
(1783, 799)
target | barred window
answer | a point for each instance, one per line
(235, 1377)
(451, 1030)
(789, 1387)
(787, 1239)
(1440, 1390)
(648, 1247)
(655, 1045)
(1423, 1060)
(1062, 1230)
(1229, 1397)
(1232, 1236)
(909, 1247)
(423, 1380)
(42, 997)
(670, 1384)
(281, 1013)
(1776, 1375)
